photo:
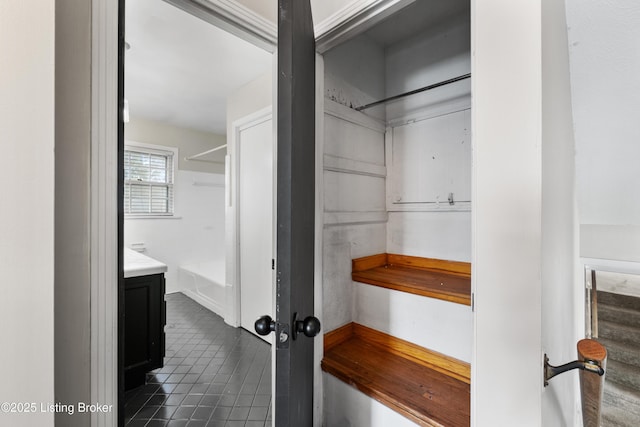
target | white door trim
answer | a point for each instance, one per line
(318, 294)
(232, 314)
(356, 17)
(488, 276)
(234, 18)
(104, 210)
(507, 213)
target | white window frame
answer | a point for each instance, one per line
(163, 150)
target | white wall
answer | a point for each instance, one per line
(189, 141)
(606, 241)
(354, 204)
(266, 8)
(250, 98)
(440, 235)
(346, 406)
(342, 243)
(196, 234)
(438, 54)
(27, 220)
(354, 74)
(438, 325)
(72, 212)
(353, 200)
(562, 288)
(604, 38)
(323, 9)
(506, 214)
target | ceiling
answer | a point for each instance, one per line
(420, 16)
(180, 69)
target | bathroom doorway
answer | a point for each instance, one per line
(186, 82)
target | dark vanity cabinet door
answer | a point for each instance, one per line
(145, 317)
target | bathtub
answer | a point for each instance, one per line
(204, 283)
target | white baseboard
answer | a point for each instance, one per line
(207, 303)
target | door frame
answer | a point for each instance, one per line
(104, 210)
(232, 205)
(506, 236)
(234, 18)
(106, 218)
(353, 19)
(296, 213)
(318, 345)
(106, 256)
(523, 219)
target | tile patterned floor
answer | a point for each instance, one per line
(214, 375)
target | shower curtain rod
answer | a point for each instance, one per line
(413, 92)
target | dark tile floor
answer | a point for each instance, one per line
(213, 375)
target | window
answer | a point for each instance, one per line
(148, 181)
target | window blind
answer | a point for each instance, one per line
(148, 182)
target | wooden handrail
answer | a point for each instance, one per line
(592, 385)
(592, 361)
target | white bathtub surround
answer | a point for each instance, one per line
(194, 235)
(205, 284)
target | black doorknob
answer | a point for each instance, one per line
(265, 325)
(310, 326)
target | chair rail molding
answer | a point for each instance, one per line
(353, 19)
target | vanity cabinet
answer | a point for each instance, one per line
(145, 318)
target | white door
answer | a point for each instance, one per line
(255, 188)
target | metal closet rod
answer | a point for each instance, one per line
(413, 92)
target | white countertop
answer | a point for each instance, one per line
(137, 264)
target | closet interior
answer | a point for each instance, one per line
(397, 156)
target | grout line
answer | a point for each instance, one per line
(194, 335)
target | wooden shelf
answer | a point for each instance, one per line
(434, 278)
(426, 387)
